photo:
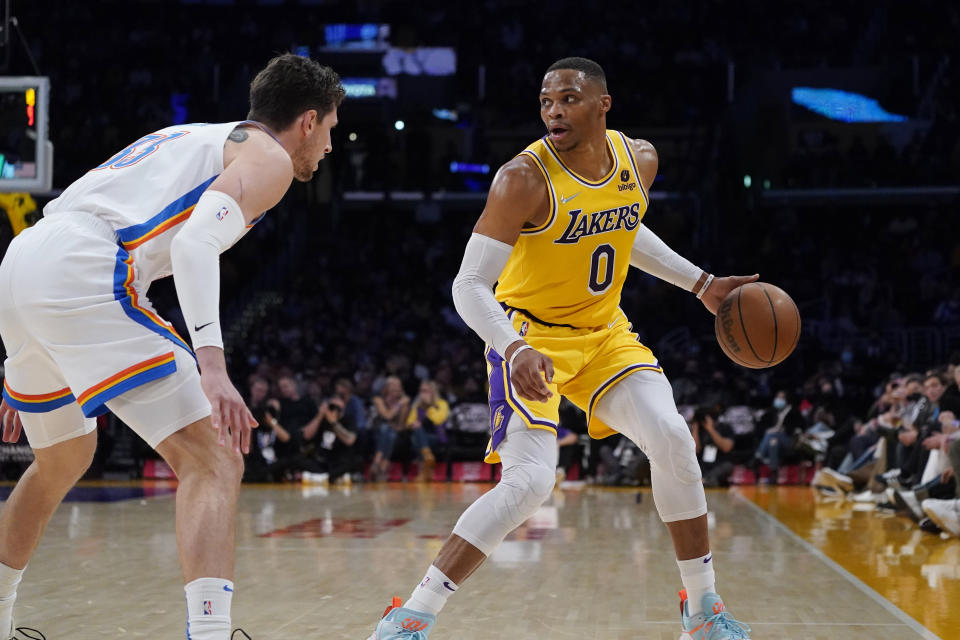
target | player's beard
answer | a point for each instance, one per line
(302, 167)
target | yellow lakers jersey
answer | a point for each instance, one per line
(570, 270)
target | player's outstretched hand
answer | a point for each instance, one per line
(229, 413)
(530, 374)
(10, 418)
(720, 287)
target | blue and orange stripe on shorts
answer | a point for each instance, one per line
(93, 400)
(37, 403)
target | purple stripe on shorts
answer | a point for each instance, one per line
(500, 409)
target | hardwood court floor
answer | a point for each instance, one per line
(593, 563)
(916, 571)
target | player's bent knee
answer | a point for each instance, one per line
(194, 450)
(518, 495)
(68, 460)
(675, 449)
(526, 487)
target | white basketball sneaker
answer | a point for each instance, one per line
(945, 513)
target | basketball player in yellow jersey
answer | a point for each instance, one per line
(560, 229)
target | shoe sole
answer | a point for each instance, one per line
(937, 521)
(841, 484)
(831, 483)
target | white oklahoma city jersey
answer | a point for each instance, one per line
(74, 316)
(149, 188)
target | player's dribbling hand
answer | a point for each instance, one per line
(12, 426)
(720, 287)
(228, 412)
(530, 374)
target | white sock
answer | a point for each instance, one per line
(698, 578)
(9, 579)
(208, 609)
(432, 592)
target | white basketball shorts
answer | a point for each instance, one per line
(81, 338)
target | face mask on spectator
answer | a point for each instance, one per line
(779, 403)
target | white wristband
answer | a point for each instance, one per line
(519, 349)
(703, 289)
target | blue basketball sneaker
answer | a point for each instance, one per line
(403, 624)
(713, 623)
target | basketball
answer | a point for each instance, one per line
(758, 325)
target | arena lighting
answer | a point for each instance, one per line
(445, 114)
(399, 125)
(356, 37)
(370, 87)
(468, 167)
(747, 181)
(352, 137)
(843, 106)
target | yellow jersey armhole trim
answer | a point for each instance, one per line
(633, 163)
(550, 193)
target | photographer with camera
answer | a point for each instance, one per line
(331, 440)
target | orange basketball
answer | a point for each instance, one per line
(757, 325)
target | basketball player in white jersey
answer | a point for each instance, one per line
(82, 339)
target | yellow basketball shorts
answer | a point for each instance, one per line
(587, 363)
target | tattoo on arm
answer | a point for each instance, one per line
(238, 135)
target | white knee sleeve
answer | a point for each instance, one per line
(529, 473)
(641, 407)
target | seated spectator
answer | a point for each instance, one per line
(714, 441)
(354, 417)
(951, 396)
(782, 423)
(624, 463)
(389, 419)
(280, 446)
(936, 482)
(469, 429)
(573, 422)
(257, 464)
(297, 411)
(427, 422)
(911, 457)
(565, 441)
(945, 513)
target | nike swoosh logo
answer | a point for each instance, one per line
(196, 328)
(708, 559)
(568, 199)
(447, 585)
(226, 588)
